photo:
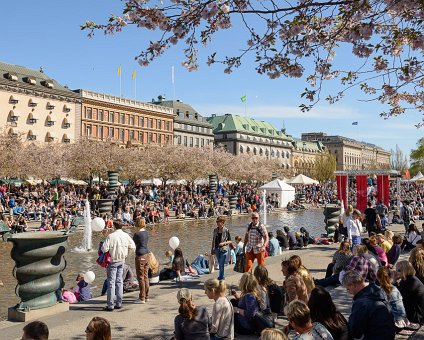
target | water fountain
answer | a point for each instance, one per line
(87, 242)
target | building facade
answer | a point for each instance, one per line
(36, 106)
(352, 154)
(241, 135)
(305, 154)
(190, 128)
(124, 121)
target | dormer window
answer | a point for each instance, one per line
(11, 76)
(187, 115)
(196, 116)
(13, 100)
(66, 124)
(66, 109)
(30, 80)
(31, 119)
(31, 136)
(49, 106)
(31, 103)
(49, 121)
(13, 118)
(47, 83)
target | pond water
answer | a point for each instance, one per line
(195, 239)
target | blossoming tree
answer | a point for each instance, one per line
(296, 38)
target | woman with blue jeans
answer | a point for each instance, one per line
(354, 228)
(220, 241)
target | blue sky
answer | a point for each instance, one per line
(47, 33)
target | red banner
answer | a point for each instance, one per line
(361, 192)
(342, 188)
(383, 189)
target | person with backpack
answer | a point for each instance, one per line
(255, 242)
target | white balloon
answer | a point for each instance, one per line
(89, 276)
(98, 224)
(174, 242)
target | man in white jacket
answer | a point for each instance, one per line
(117, 244)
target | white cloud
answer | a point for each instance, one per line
(275, 111)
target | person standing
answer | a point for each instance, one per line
(142, 259)
(354, 227)
(117, 244)
(370, 317)
(255, 242)
(220, 241)
(371, 218)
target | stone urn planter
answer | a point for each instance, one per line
(331, 213)
(39, 263)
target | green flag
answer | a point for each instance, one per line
(243, 98)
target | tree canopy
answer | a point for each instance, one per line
(287, 37)
(417, 157)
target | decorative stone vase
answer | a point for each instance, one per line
(213, 183)
(39, 263)
(331, 213)
(232, 201)
(113, 182)
(105, 206)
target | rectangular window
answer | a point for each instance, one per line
(110, 133)
(179, 140)
(197, 129)
(151, 123)
(121, 134)
(207, 142)
(111, 117)
(168, 126)
(88, 113)
(191, 141)
(159, 138)
(132, 135)
(159, 124)
(100, 132)
(100, 115)
(203, 142)
(185, 140)
(140, 136)
(132, 120)
(197, 142)
(150, 137)
(122, 118)
(140, 121)
(88, 130)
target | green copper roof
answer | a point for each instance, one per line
(234, 123)
(23, 72)
(308, 146)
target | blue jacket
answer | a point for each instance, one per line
(371, 317)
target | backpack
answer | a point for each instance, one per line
(104, 258)
(276, 298)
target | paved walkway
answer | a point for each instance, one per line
(154, 320)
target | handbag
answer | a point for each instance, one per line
(240, 265)
(263, 319)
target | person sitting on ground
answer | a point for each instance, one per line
(395, 299)
(36, 330)
(416, 258)
(388, 235)
(178, 264)
(304, 273)
(222, 312)
(394, 252)
(294, 287)
(371, 254)
(385, 245)
(272, 334)
(325, 312)
(362, 264)
(380, 252)
(82, 290)
(192, 322)
(98, 329)
(305, 236)
(271, 293)
(299, 317)
(411, 237)
(412, 291)
(370, 317)
(341, 259)
(246, 304)
(291, 236)
(420, 244)
(273, 244)
(282, 239)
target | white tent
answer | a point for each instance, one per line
(418, 177)
(285, 192)
(302, 179)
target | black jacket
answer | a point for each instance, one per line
(371, 317)
(412, 291)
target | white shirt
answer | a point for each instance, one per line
(223, 319)
(354, 228)
(117, 244)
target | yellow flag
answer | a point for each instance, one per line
(134, 74)
(119, 70)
